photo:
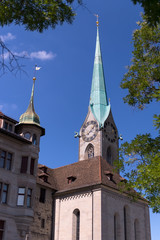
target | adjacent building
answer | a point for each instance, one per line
(80, 201)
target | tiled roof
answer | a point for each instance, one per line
(85, 173)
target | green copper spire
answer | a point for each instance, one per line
(98, 99)
(30, 115)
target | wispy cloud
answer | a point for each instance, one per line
(7, 37)
(42, 55)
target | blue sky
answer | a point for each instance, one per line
(63, 84)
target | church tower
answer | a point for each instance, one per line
(98, 134)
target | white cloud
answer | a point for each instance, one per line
(7, 37)
(42, 55)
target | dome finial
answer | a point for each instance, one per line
(97, 22)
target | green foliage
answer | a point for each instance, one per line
(36, 14)
(140, 159)
(151, 10)
(143, 77)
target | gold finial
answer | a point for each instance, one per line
(34, 78)
(97, 22)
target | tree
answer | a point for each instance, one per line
(151, 10)
(142, 155)
(35, 15)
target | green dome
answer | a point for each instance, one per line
(30, 116)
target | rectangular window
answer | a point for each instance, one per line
(5, 125)
(5, 160)
(1, 229)
(21, 196)
(24, 164)
(32, 166)
(42, 195)
(29, 195)
(9, 161)
(10, 127)
(2, 159)
(4, 193)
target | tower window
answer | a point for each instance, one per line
(90, 151)
(27, 135)
(76, 225)
(34, 139)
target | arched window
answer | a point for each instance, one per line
(115, 227)
(27, 135)
(136, 230)
(109, 155)
(126, 223)
(34, 139)
(89, 151)
(76, 225)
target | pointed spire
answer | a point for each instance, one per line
(98, 98)
(30, 115)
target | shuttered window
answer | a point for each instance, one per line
(24, 164)
(32, 166)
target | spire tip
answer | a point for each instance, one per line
(97, 22)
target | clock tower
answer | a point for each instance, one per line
(98, 134)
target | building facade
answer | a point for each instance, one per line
(80, 201)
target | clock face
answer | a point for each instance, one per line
(110, 131)
(89, 131)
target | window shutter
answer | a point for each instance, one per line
(24, 164)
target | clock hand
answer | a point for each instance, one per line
(91, 130)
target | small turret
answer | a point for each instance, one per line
(29, 122)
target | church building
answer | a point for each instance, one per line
(80, 201)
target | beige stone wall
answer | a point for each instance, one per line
(64, 215)
(17, 218)
(97, 209)
(113, 203)
(42, 211)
